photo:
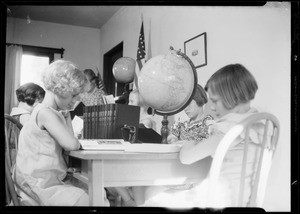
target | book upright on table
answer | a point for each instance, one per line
(106, 121)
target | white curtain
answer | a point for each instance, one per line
(12, 76)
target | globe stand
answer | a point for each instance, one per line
(123, 71)
(164, 129)
(124, 97)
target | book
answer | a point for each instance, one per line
(85, 123)
(109, 128)
(93, 123)
(100, 121)
(89, 126)
(153, 148)
(106, 121)
(103, 144)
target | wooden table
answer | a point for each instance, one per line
(101, 169)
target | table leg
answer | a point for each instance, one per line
(96, 186)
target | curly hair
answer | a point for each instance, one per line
(62, 77)
(30, 93)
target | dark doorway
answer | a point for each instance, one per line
(109, 80)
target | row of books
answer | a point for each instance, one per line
(105, 121)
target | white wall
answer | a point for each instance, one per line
(257, 37)
(81, 44)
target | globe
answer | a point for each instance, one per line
(166, 82)
(123, 70)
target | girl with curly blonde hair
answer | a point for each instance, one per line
(40, 169)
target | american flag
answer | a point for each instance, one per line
(140, 55)
(141, 51)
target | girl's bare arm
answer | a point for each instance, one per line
(58, 129)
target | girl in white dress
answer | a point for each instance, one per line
(230, 90)
(40, 169)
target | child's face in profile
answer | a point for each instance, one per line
(92, 84)
(192, 110)
(216, 104)
(67, 101)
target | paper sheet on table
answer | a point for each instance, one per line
(108, 99)
(77, 124)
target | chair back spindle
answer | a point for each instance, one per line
(12, 131)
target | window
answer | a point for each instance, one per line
(34, 61)
(32, 68)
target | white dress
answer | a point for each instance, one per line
(40, 168)
(21, 114)
(227, 188)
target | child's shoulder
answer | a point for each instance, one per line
(45, 114)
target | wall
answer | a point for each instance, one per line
(257, 37)
(81, 44)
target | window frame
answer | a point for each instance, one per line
(41, 51)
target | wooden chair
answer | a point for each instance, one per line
(268, 140)
(12, 131)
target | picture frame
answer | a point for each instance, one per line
(196, 49)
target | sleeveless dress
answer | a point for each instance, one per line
(17, 112)
(40, 168)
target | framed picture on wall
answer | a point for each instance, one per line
(196, 49)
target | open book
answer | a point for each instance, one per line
(103, 144)
(121, 145)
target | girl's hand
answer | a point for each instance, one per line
(171, 139)
(66, 114)
(179, 142)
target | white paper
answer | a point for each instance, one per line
(77, 124)
(109, 99)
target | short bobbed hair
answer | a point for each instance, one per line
(62, 77)
(234, 84)
(200, 96)
(30, 93)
